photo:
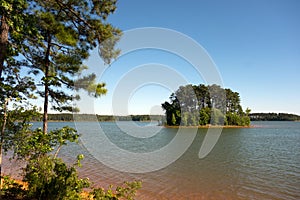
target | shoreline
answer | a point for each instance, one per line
(210, 126)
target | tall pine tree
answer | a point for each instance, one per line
(68, 31)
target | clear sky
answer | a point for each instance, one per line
(255, 45)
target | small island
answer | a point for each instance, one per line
(205, 106)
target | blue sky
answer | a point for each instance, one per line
(254, 44)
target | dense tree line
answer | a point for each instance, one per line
(274, 117)
(138, 118)
(194, 105)
(101, 118)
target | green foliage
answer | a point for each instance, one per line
(51, 178)
(204, 116)
(51, 38)
(246, 120)
(193, 105)
(274, 117)
(217, 117)
(236, 119)
(126, 191)
(17, 125)
(190, 119)
(102, 118)
(35, 143)
(172, 109)
(173, 119)
(63, 184)
(47, 176)
(69, 30)
(184, 119)
(11, 189)
(186, 98)
(13, 125)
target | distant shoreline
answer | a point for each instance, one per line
(210, 126)
(68, 117)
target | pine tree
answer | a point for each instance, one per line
(68, 31)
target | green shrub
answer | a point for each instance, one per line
(126, 191)
(49, 177)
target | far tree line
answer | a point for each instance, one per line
(107, 118)
(100, 118)
(274, 117)
(194, 105)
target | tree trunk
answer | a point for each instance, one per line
(46, 97)
(2, 136)
(3, 42)
(45, 115)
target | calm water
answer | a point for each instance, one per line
(246, 163)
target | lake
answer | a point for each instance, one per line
(262, 162)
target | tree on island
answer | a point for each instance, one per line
(194, 105)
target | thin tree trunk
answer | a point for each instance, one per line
(46, 97)
(57, 151)
(2, 136)
(45, 115)
(3, 42)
